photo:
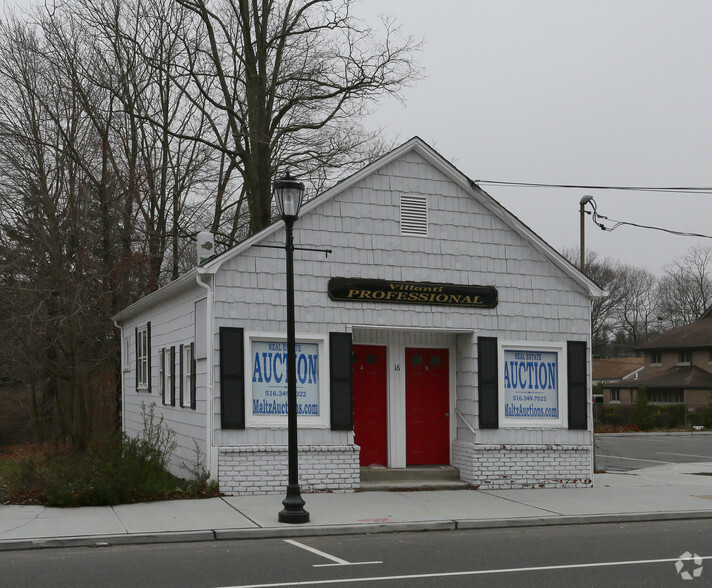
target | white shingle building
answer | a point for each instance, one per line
(441, 330)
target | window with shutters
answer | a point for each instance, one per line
(414, 215)
(532, 384)
(266, 381)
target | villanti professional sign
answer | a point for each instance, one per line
(531, 385)
(269, 378)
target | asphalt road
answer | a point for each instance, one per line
(634, 554)
(632, 452)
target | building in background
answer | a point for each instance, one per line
(677, 368)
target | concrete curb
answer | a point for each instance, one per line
(364, 529)
(666, 434)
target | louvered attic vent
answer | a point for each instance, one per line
(414, 215)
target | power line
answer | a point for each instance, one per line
(668, 189)
(596, 219)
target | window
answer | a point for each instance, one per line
(414, 215)
(685, 357)
(667, 396)
(532, 385)
(143, 358)
(187, 387)
(615, 395)
(656, 358)
(266, 381)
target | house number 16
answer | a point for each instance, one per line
(396, 368)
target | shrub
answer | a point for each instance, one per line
(707, 416)
(113, 469)
(613, 415)
(643, 415)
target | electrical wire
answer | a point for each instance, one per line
(667, 189)
(595, 216)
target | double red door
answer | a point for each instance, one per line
(427, 405)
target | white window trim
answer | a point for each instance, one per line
(652, 357)
(187, 375)
(142, 352)
(306, 422)
(531, 346)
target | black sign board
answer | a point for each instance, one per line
(365, 290)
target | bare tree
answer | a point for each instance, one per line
(287, 83)
(637, 312)
(606, 273)
(685, 291)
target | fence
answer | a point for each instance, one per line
(645, 416)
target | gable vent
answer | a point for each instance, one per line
(413, 215)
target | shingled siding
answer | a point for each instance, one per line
(466, 244)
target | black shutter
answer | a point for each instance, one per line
(488, 386)
(148, 353)
(173, 375)
(340, 365)
(232, 378)
(136, 359)
(180, 378)
(576, 364)
(162, 375)
(193, 376)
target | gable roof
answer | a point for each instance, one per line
(696, 334)
(615, 368)
(687, 377)
(417, 145)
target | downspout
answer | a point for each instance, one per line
(211, 452)
(123, 373)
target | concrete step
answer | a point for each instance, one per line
(412, 478)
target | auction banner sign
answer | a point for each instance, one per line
(368, 290)
(531, 386)
(269, 378)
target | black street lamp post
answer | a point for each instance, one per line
(288, 194)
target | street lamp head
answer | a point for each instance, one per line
(585, 200)
(288, 194)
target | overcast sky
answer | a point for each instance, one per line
(611, 92)
(604, 92)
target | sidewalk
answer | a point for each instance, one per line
(663, 492)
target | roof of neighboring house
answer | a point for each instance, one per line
(696, 334)
(687, 377)
(616, 368)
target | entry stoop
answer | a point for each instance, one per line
(411, 478)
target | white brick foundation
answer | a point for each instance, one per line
(262, 469)
(524, 466)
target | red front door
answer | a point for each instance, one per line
(370, 405)
(427, 407)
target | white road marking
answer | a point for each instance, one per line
(467, 573)
(685, 455)
(337, 560)
(631, 459)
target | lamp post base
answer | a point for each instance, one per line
(293, 511)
